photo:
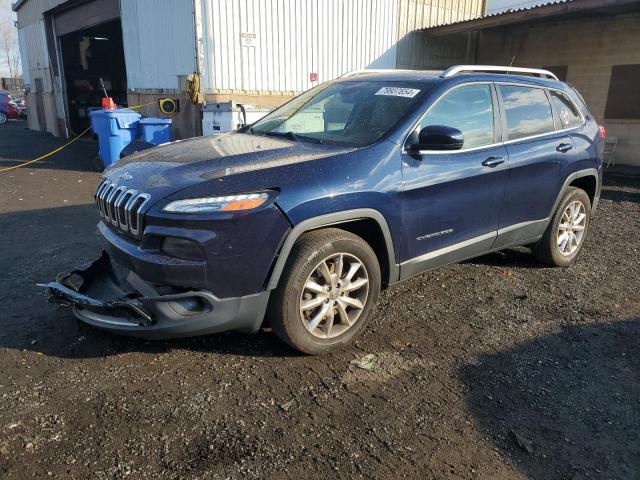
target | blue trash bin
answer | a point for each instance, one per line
(156, 130)
(115, 129)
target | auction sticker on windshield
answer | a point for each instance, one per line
(398, 92)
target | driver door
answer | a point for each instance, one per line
(452, 199)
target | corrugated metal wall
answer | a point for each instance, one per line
(159, 42)
(22, 45)
(259, 46)
(415, 50)
(416, 14)
(293, 38)
(37, 59)
(31, 11)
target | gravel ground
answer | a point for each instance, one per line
(495, 368)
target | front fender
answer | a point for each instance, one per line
(333, 219)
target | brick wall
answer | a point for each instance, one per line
(589, 47)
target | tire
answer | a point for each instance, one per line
(337, 317)
(573, 224)
(3, 118)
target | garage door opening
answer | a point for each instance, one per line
(89, 55)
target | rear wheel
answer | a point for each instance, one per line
(3, 118)
(564, 237)
(328, 289)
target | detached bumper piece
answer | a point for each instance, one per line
(136, 307)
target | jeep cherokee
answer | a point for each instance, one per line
(300, 219)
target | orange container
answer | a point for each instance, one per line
(108, 104)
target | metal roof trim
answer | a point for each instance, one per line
(16, 6)
(540, 10)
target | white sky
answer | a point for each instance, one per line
(7, 17)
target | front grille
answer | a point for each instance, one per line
(121, 207)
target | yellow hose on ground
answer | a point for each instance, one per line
(6, 169)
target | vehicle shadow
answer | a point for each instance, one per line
(18, 144)
(512, 258)
(36, 245)
(621, 184)
(619, 195)
(566, 405)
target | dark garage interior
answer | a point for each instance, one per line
(90, 55)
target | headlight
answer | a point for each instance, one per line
(228, 203)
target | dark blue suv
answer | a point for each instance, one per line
(299, 220)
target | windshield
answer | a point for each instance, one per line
(351, 114)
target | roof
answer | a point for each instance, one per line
(17, 5)
(436, 76)
(542, 12)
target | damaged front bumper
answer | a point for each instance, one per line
(136, 307)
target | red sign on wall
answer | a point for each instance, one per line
(313, 77)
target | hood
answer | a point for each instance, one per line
(163, 170)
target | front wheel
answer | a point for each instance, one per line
(3, 118)
(328, 289)
(564, 237)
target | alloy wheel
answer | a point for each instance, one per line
(3, 117)
(334, 295)
(571, 228)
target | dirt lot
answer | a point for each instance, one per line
(470, 359)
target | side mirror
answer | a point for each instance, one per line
(435, 137)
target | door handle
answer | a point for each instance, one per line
(564, 147)
(492, 162)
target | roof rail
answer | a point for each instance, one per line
(368, 70)
(450, 72)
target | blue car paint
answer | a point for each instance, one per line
(417, 197)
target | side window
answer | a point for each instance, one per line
(567, 111)
(470, 110)
(527, 110)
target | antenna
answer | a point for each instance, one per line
(512, 60)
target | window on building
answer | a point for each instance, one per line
(470, 110)
(527, 110)
(623, 101)
(559, 71)
(566, 109)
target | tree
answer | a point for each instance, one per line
(9, 49)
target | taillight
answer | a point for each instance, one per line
(603, 132)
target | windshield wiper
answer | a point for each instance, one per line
(289, 135)
(296, 137)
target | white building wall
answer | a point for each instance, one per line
(34, 56)
(22, 45)
(260, 46)
(159, 43)
(31, 10)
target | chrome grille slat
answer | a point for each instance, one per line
(117, 193)
(103, 200)
(134, 211)
(101, 195)
(123, 199)
(110, 199)
(121, 207)
(98, 196)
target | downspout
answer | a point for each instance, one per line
(63, 81)
(199, 59)
(199, 47)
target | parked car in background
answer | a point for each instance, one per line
(8, 109)
(303, 217)
(21, 105)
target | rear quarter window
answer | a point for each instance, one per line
(527, 111)
(567, 111)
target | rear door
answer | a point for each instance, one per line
(452, 199)
(537, 149)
